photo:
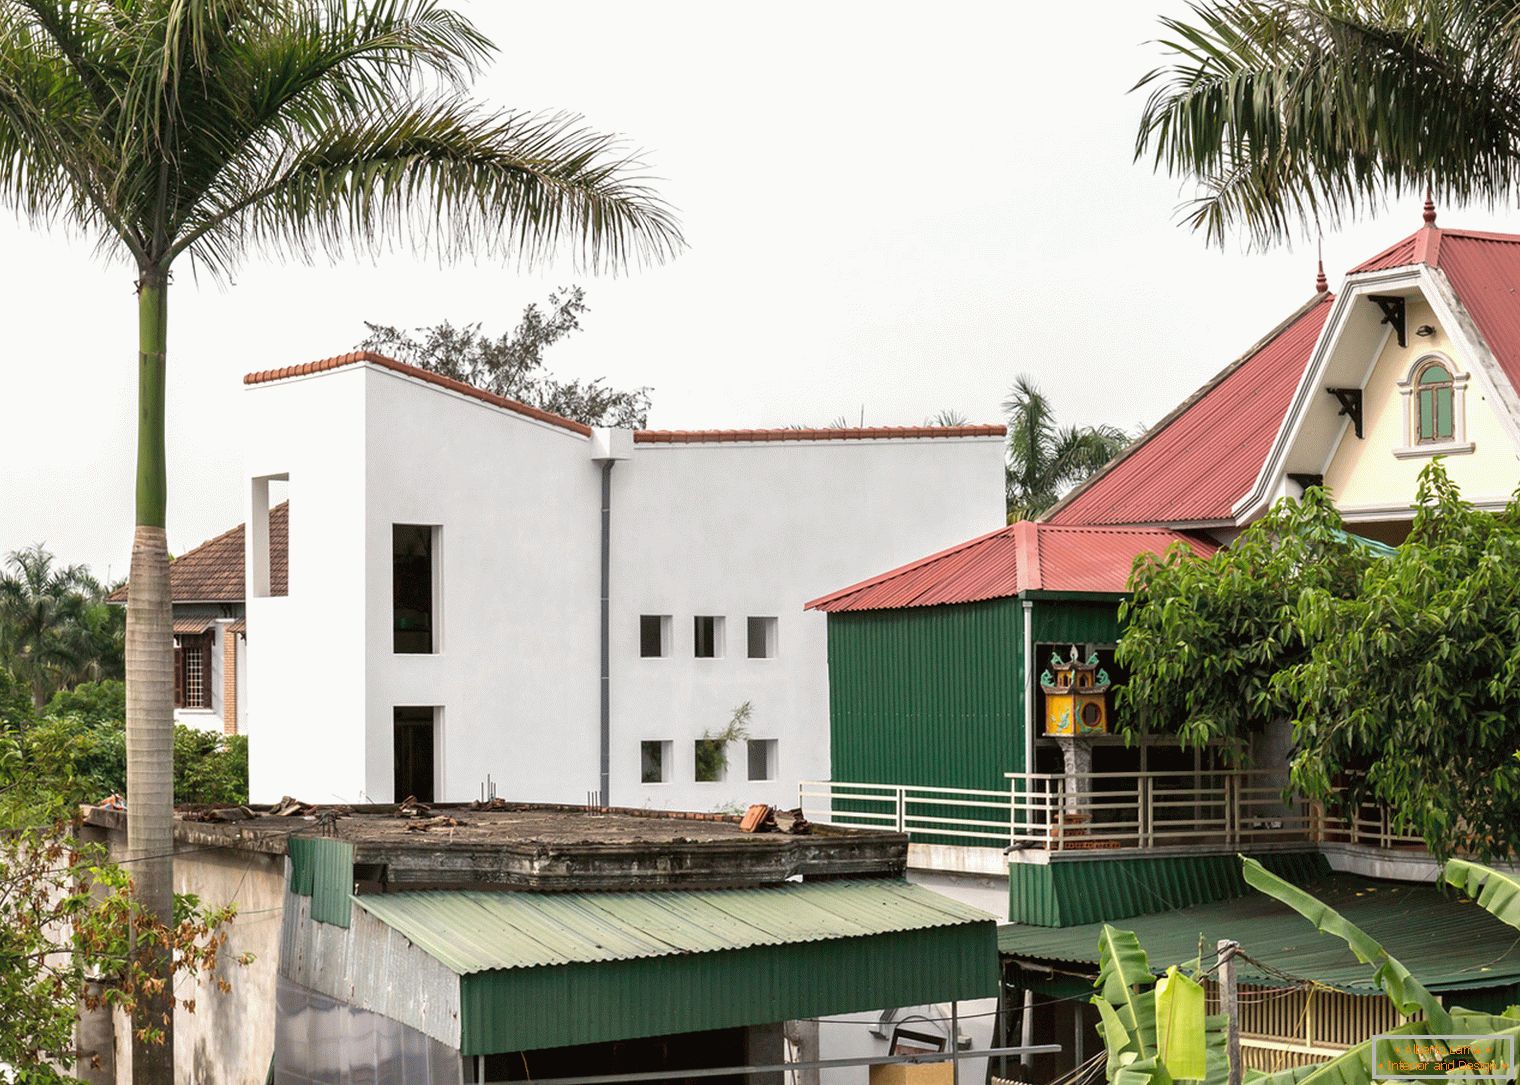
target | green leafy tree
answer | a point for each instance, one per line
(203, 130)
(56, 628)
(1045, 459)
(512, 364)
(15, 702)
(1416, 678)
(1307, 111)
(1205, 639)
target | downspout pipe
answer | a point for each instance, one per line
(606, 630)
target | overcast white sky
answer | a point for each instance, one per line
(894, 206)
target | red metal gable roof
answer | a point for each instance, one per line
(1025, 556)
(1202, 458)
(1484, 270)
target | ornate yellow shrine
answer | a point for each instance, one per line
(1076, 696)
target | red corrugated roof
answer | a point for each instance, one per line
(1202, 458)
(1484, 270)
(1021, 557)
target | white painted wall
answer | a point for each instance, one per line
(306, 663)
(726, 529)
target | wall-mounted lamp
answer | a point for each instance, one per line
(1425, 331)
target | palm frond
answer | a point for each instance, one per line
(1307, 111)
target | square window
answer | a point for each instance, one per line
(654, 762)
(654, 636)
(711, 760)
(707, 636)
(762, 638)
(762, 759)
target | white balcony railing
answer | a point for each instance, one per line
(1054, 812)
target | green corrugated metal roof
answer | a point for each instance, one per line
(474, 931)
(1447, 941)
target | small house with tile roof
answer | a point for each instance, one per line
(207, 589)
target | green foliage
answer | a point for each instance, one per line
(56, 628)
(1400, 674)
(712, 748)
(1309, 111)
(1129, 1007)
(62, 947)
(1205, 639)
(1402, 989)
(91, 702)
(15, 702)
(210, 768)
(512, 364)
(1495, 890)
(1417, 677)
(1044, 459)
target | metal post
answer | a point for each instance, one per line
(902, 810)
(605, 763)
(1229, 1000)
(1026, 1037)
(955, 1042)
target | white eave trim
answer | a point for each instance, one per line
(1437, 291)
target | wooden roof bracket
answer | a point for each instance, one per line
(1350, 400)
(1392, 306)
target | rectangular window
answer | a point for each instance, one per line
(654, 635)
(413, 597)
(707, 636)
(762, 638)
(712, 760)
(416, 731)
(192, 670)
(762, 759)
(654, 760)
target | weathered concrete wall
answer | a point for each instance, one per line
(229, 1038)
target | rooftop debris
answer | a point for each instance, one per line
(763, 818)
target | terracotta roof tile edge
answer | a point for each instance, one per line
(892, 574)
(368, 357)
(1187, 404)
(861, 433)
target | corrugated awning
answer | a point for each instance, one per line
(656, 963)
(476, 931)
(1446, 940)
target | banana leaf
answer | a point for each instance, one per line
(1407, 993)
(1181, 1043)
(1494, 890)
(1122, 968)
(1355, 1066)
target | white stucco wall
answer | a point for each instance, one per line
(723, 529)
(306, 665)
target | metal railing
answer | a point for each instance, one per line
(1058, 812)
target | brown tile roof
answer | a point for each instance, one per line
(213, 571)
(356, 357)
(705, 436)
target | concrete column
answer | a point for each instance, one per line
(765, 1045)
(804, 1037)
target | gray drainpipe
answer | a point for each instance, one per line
(606, 631)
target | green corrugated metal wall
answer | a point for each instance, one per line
(1066, 621)
(931, 696)
(1069, 893)
(523, 1009)
(323, 869)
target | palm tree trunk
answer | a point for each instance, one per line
(150, 687)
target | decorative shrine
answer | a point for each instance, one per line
(1076, 696)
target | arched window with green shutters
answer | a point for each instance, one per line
(1434, 404)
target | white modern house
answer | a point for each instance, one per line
(483, 595)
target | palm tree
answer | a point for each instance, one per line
(1045, 460)
(1308, 111)
(205, 130)
(50, 623)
